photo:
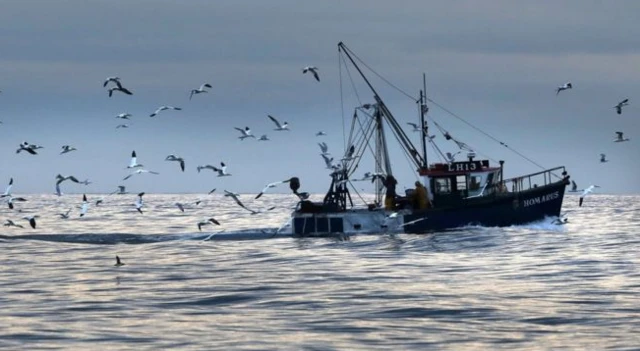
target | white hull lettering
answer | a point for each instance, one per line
(540, 199)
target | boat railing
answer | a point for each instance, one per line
(531, 181)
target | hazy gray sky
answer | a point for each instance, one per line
(494, 63)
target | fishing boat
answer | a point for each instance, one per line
(459, 193)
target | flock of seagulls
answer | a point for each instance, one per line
(113, 85)
(603, 157)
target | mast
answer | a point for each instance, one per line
(423, 111)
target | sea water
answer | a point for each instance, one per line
(534, 287)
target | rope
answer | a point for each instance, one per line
(344, 136)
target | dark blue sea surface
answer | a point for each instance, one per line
(534, 287)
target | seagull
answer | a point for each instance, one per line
(574, 187)
(416, 128)
(222, 171)
(618, 107)
(120, 191)
(284, 126)
(119, 88)
(207, 222)
(603, 158)
(180, 206)
(111, 79)
(122, 126)
(269, 186)
(321, 133)
(64, 215)
(9, 223)
(85, 182)
(85, 205)
(7, 191)
(32, 220)
(563, 87)
(60, 179)
(134, 161)
(139, 171)
(163, 108)
(139, 203)
(177, 159)
(234, 196)
(324, 148)
(246, 133)
(451, 157)
(58, 191)
(350, 152)
(199, 90)
(328, 161)
(586, 192)
(212, 191)
(99, 202)
(313, 70)
(560, 221)
(124, 115)
(264, 137)
(118, 262)
(67, 148)
(28, 148)
(620, 139)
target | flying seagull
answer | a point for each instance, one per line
(618, 107)
(124, 115)
(139, 171)
(313, 70)
(207, 222)
(177, 159)
(67, 148)
(9, 223)
(60, 179)
(271, 185)
(563, 87)
(11, 199)
(222, 171)
(139, 203)
(416, 128)
(324, 148)
(586, 192)
(199, 90)
(620, 139)
(264, 137)
(122, 126)
(164, 108)
(7, 191)
(212, 191)
(119, 88)
(134, 161)
(32, 220)
(246, 133)
(321, 133)
(279, 127)
(64, 215)
(111, 79)
(120, 191)
(85, 205)
(180, 206)
(603, 158)
(118, 262)
(25, 146)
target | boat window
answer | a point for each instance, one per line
(474, 182)
(443, 185)
(461, 182)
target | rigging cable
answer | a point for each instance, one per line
(447, 111)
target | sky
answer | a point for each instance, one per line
(495, 64)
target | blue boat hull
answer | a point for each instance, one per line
(498, 211)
